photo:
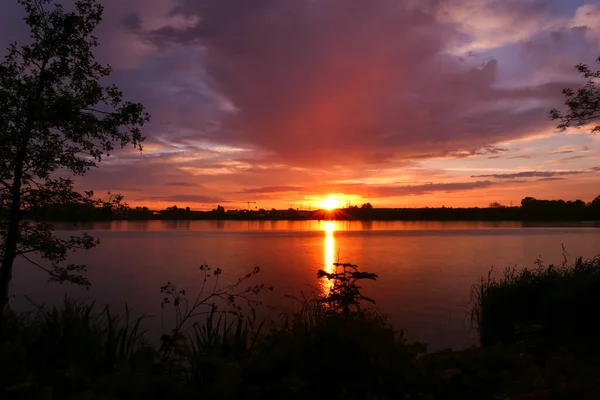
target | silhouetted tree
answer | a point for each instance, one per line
(583, 104)
(527, 201)
(56, 118)
(367, 206)
(345, 296)
(496, 205)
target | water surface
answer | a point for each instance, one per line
(426, 269)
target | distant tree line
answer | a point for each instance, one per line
(531, 209)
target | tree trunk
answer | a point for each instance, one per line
(12, 236)
(14, 217)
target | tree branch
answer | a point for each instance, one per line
(98, 111)
(36, 264)
(3, 182)
(29, 60)
(32, 250)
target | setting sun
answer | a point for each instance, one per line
(330, 203)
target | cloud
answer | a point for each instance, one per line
(190, 198)
(273, 189)
(550, 179)
(489, 24)
(304, 87)
(575, 157)
(537, 174)
(284, 99)
(367, 190)
(392, 191)
(522, 157)
(184, 184)
(464, 153)
(563, 152)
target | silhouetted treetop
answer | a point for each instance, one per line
(583, 104)
(57, 116)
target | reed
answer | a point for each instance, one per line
(554, 301)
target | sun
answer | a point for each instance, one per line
(330, 203)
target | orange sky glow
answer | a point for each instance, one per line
(421, 104)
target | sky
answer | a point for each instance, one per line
(400, 103)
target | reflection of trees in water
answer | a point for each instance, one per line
(366, 225)
(178, 224)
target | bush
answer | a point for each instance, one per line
(555, 301)
(63, 348)
(328, 346)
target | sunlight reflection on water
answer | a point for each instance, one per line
(328, 254)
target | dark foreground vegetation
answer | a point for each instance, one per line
(537, 328)
(550, 301)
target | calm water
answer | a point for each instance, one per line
(426, 269)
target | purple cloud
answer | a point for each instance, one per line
(308, 89)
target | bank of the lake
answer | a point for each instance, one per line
(326, 347)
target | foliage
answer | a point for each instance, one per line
(327, 346)
(73, 348)
(344, 296)
(216, 347)
(56, 118)
(595, 204)
(61, 346)
(547, 300)
(583, 104)
(315, 352)
(211, 300)
(312, 352)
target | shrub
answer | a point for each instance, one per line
(556, 301)
(63, 347)
(328, 345)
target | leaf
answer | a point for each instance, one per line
(57, 118)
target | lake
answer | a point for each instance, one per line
(426, 269)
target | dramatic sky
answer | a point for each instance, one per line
(394, 102)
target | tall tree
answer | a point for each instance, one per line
(583, 104)
(56, 120)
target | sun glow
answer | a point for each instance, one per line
(328, 254)
(330, 203)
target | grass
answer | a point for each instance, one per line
(61, 347)
(326, 346)
(557, 302)
(321, 353)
